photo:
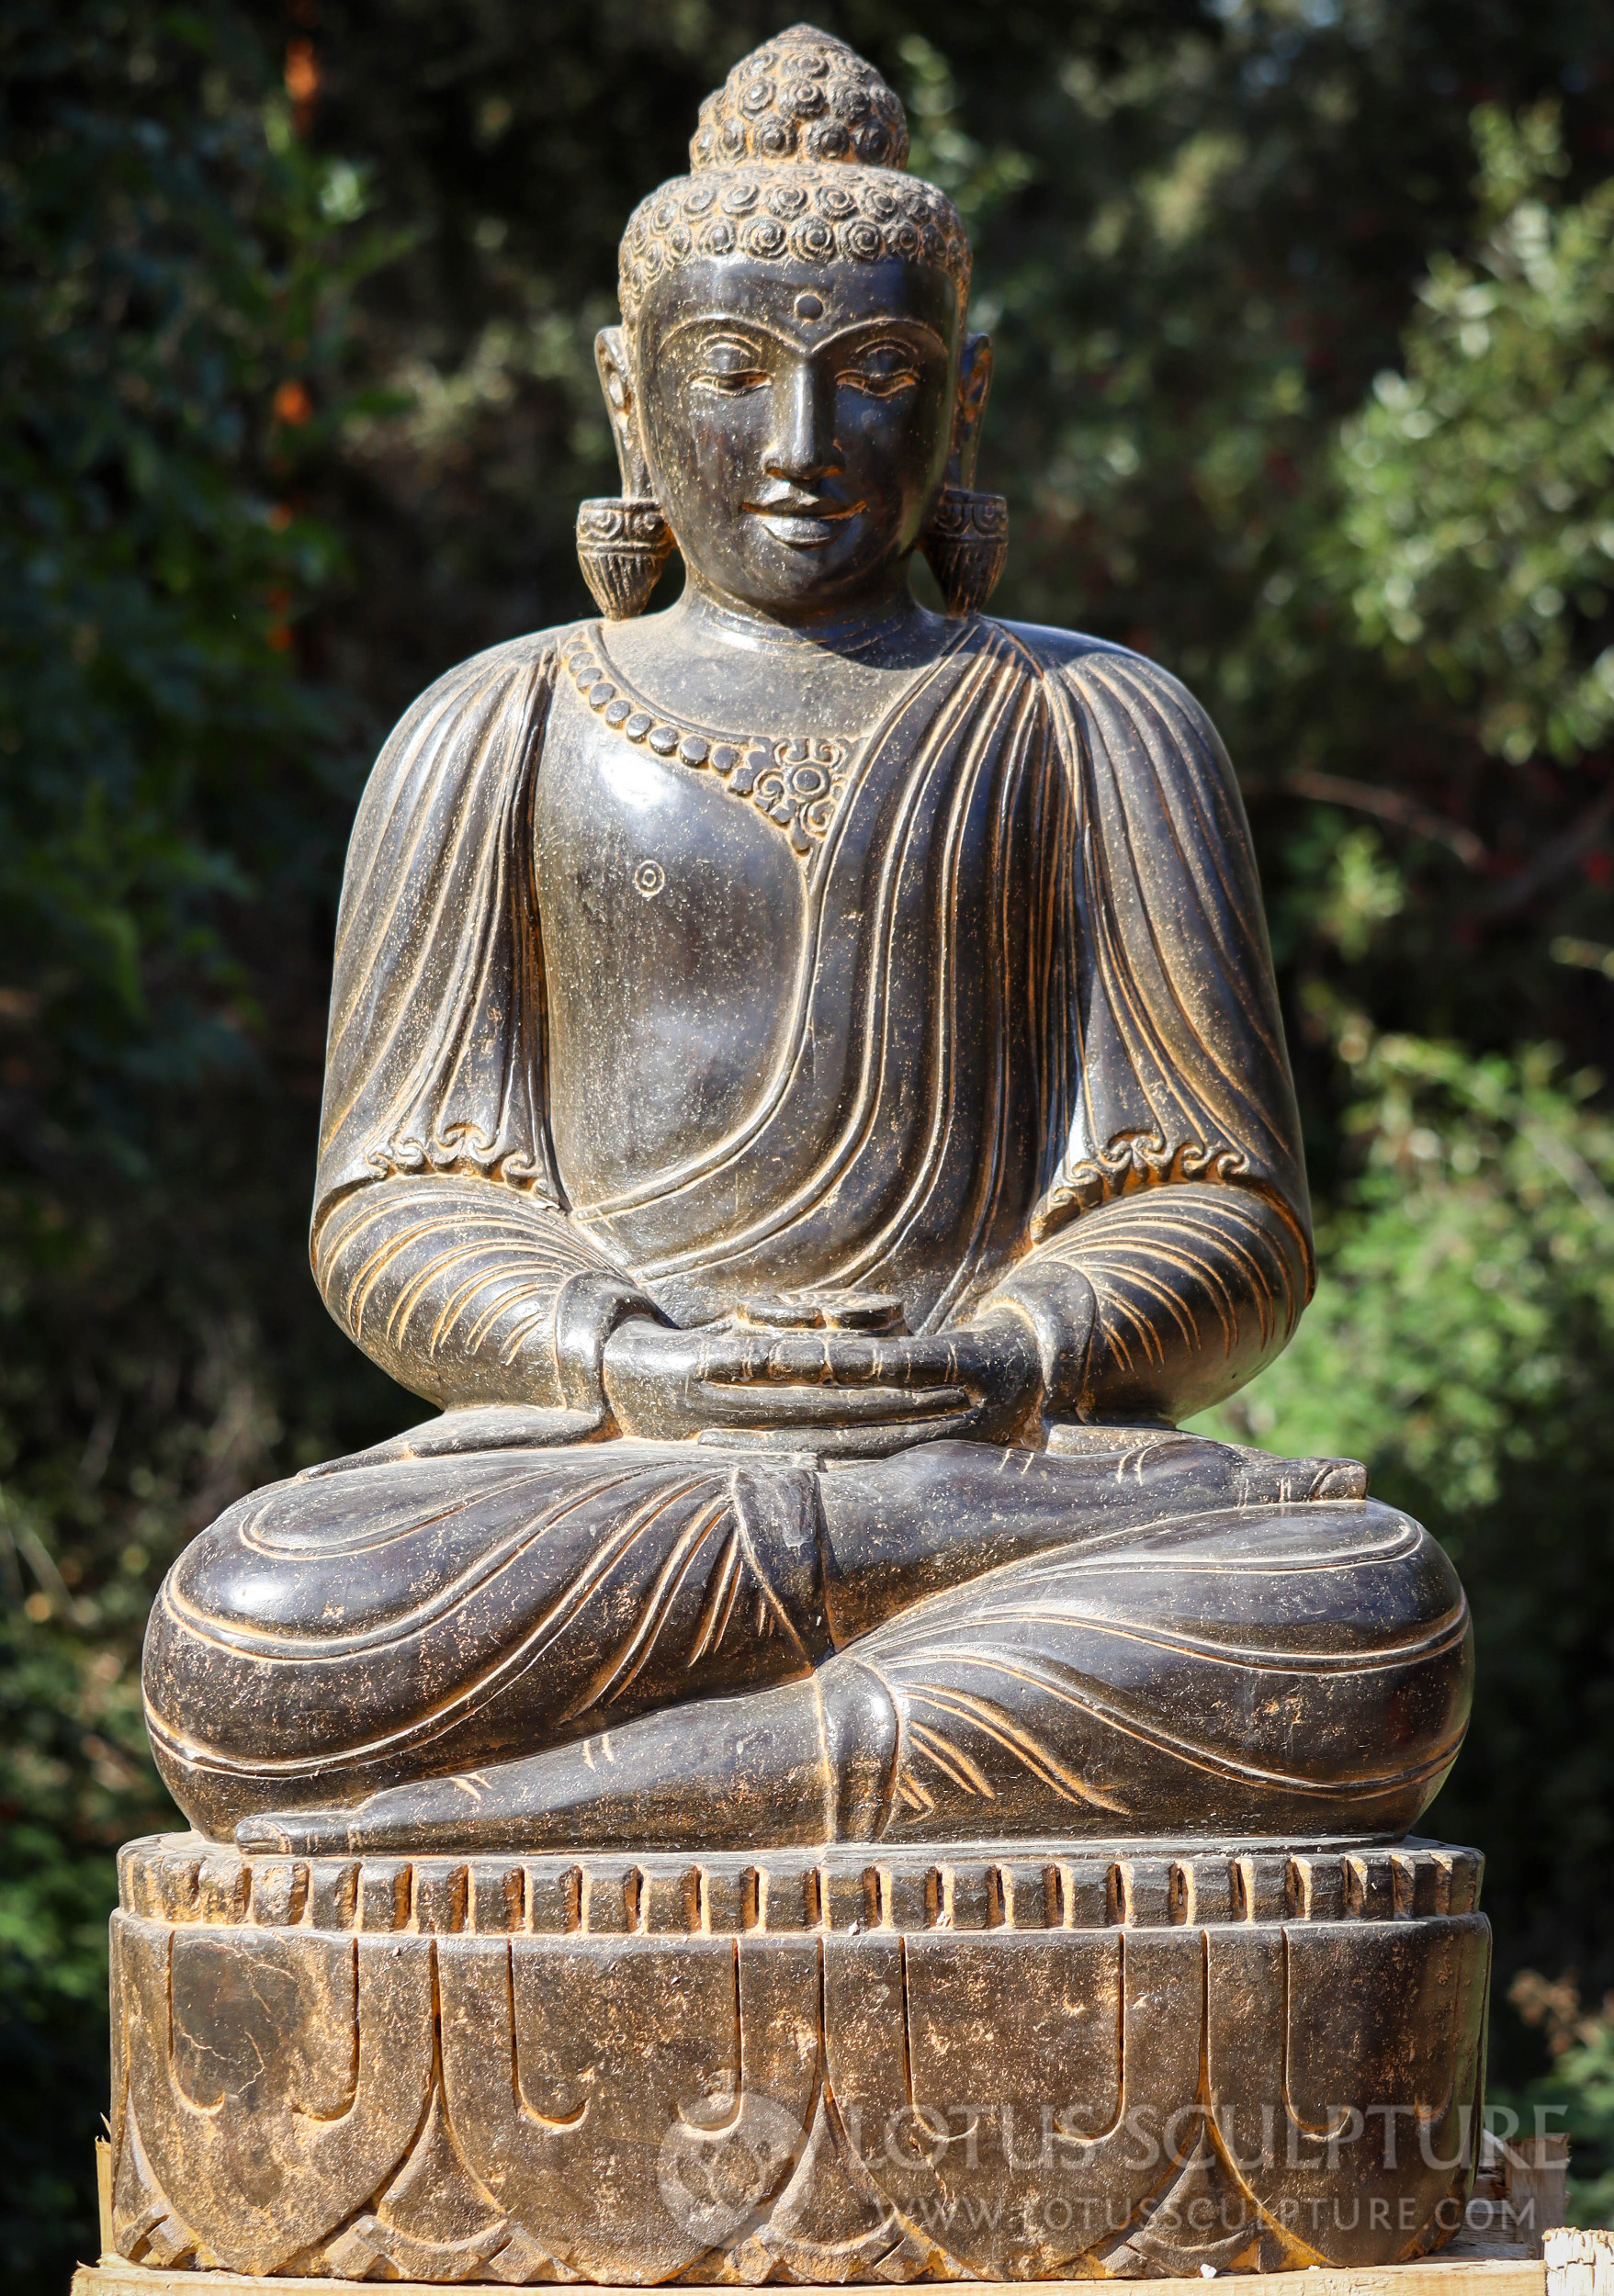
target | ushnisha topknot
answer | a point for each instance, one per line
(801, 152)
(802, 95)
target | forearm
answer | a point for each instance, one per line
(468, 1291)
(1163, 1303)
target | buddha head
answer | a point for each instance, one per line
(794, 395)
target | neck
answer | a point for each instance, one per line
(873, 622)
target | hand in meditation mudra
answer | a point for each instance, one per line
(807, 1100)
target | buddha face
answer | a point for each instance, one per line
(797, 420)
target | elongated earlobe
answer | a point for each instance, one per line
(964, 546)
(967, 541)
(623, 541)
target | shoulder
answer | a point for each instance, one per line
(1118, 692)
(1098, 662)
(474, 717)
(459, 711)
(485, 677)
(1057, 649)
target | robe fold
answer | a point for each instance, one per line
(1036, 979)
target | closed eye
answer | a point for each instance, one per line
(878, 379)
(729, 382)
(729, 369)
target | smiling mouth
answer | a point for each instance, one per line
(802, 522)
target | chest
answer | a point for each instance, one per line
(674, 917)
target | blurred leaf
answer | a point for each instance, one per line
(1478, 526)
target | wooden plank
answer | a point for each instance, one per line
(1580, 2263)
(104, 2192)
(1471, 2277)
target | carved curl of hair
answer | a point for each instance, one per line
(800, 154)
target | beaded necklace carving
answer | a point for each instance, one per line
(797, 781)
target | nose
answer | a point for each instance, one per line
(803, 446)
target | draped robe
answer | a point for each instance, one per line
(1034, 979)
(1028, 1043)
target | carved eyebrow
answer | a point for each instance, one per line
(910, 333)
(729, 338)
(873, 334)
(720, 325)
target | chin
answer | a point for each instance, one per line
(799, 578)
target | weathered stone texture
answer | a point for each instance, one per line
(824, 2069)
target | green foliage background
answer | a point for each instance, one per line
(1305, 322)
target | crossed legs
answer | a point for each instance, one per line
(632, 1645)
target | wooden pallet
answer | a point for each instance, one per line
(1432, 2277)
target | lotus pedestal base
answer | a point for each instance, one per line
(1002, 2062)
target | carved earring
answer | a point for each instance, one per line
(622, 542)
(966, 544)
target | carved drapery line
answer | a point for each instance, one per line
(741, 1727)
(1178, 1042)
(456, 1280)
(434, 1063)
(535, 1593)
(1194, 1286)
(852, 1194)
(1134, 1049)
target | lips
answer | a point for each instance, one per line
(801, 520)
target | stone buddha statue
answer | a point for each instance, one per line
(806, 1104)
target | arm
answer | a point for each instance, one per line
(439, 1239)
(1170, 1253)
(1161, 1303)
(470, 1292)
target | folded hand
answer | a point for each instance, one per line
(835, 1390)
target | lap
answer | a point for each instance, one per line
(415, 1614)
(327, 1555)
(374, 1547)
(429, 1613)
(1276, 1665)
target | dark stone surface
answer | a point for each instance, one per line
(807, 1101)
